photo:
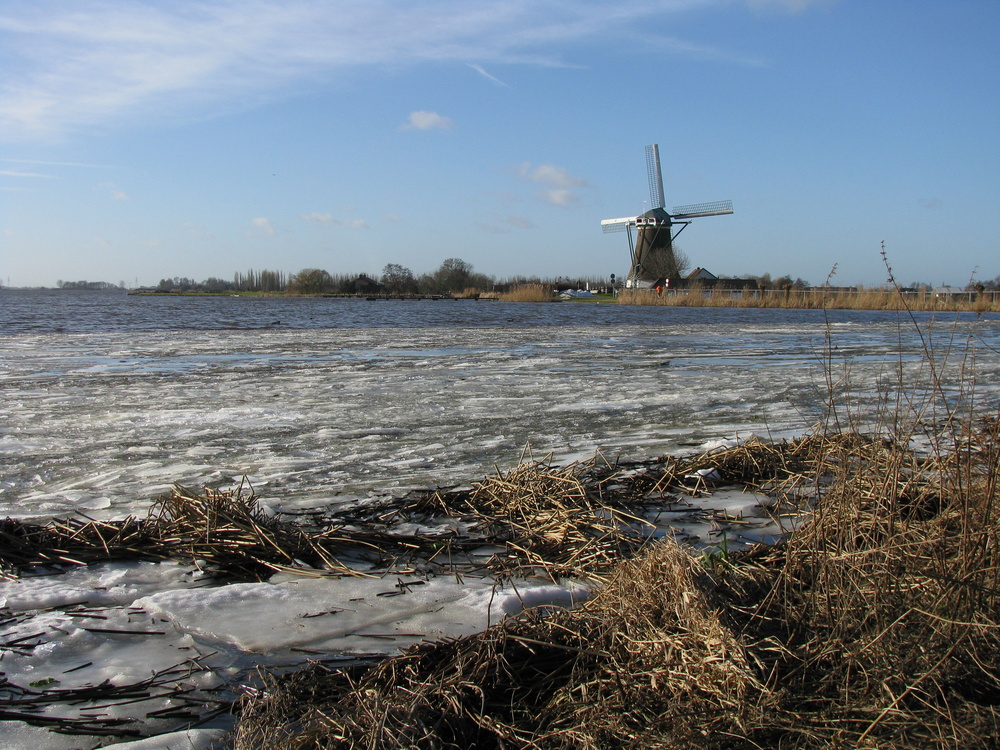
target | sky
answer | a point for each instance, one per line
(142, 140)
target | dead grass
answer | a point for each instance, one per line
(874, 625)
(815, 299)
(528, 293)
(648, 658)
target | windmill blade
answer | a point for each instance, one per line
(618, 225)
(655, 176)
(718, 208)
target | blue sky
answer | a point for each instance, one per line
(143, 140)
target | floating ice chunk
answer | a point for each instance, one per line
(722, 443)
(371, 613)
(189, 739)
(544, 596)
(16, 735)
(710, 474)
(105, 584)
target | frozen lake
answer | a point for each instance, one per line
(107, 400)
(110, 399)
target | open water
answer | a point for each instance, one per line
(109, 399)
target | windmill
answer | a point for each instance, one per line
(652, 252)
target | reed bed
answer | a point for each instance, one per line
(574, 520)
(224, 532)
(874, 625)
(528, 293)
(644, 658)
(815, 299)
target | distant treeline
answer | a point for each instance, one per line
(99, 285)
(454, 276)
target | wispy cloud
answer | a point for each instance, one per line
(549, 174)
(260, 226)
(16, 173)
(792, 5)
(56, 163)
(325, 218)
(560, 187)
(116, 194)
(71, 64)
(428, 121)
(488, 76)
(559, 196)
(320, 217)
(521, 222)
(197, 231)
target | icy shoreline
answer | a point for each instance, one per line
(191, 641)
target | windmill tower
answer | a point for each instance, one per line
(652, 252)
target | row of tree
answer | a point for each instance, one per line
(453, 276)
(96, 285)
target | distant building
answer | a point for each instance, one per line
(948, 291)
(702, 274)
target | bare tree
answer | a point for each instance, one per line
(310, 281)
(398, 279)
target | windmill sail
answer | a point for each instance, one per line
(618, 225)
(655, 176)
(718, 208)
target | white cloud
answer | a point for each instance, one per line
(421, 120)
(116, 194)
(330, 219)
(260, 225)
(391, 219)
(559, 184)
(549, 174)
(559, 197)
(71, 64)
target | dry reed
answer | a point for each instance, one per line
(528, 293)
(816, 298)
(874, 625)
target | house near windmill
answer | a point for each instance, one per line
(652, 253)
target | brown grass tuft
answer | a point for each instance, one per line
(877, 624)
(528, 293)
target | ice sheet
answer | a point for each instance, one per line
(312, 414)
